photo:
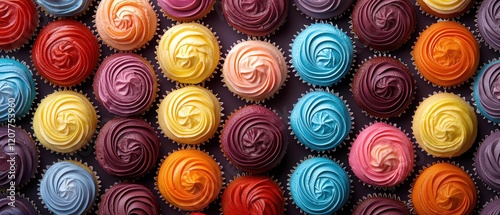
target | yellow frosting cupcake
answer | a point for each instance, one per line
(445, 8)
(65, 121)
(189, 179)
(188, 53)
(445, 125)
(189, 115)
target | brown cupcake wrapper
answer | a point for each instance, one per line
(18, 194)
(333, 18)
(474, 154)
(379, 195)
(455, 18)
(473, 100)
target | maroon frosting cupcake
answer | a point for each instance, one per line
(381, 206)
(22, 154)
(128, 198)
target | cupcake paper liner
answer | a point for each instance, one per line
(488, 202)
(475, 174)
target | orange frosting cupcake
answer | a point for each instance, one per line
(442, 189)
(446, 53)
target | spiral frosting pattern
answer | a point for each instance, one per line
(127, 147)
(65, 121)
(381, 206)
(383, 87)
(253, 194)
(445, 125)
(319, 186)
(64, 8)
(125, 24)
(128, 198)
(444, 189)
(189, 115)
(19, 19)
(383, 25)
(24, 153)
(491, 208)
(487, 22)
(322, 54)
(382, 155)
(189, 179)
(65, 52)
(320, 120)
(486, 161)
(188, 53)
(486, 91)
(186, 10)
(21, 206)
(125, 84)
(323, 9)
(254, 70)
(254, 139)
(255, 17)
(68, 187)
(446, 53)
(17, 89)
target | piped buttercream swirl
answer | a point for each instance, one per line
(323, 9)
(18, 22)
(486, 161)
(381, 206)
(186, 10)
(127, 198)
(21, 206)
(486, 91)
(23, 151)
(64, 8)
(17, 89)
(488, 22)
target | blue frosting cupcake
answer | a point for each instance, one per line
(64, 8)
(486, 91)
(322, 54)
(319, 186)
(17, 87)
(68, 187)
(320, 120)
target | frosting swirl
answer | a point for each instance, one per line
(253, 139)
(488, 22)
(189, 179)
(491, 208)
(381, 206)
(322, 54)
(18, 22)
(65, 121)
(383, 25)
(486, 91)
(23, 151)
(188, 53)
(68, 187)
(125, 84)
(17, 89)
(446, 53)
(186, 10)
(189, 115)
(254, 70)
(255, 17)
(320, 120)
(127, 198)
(21, 206)
(323, 9)
(64, 8)
(444, 189)
(383, 87)
(486, 161)
(445, 8)
(127, 147)
(125, 24)
(319, 186)
(382, 155)
(445, 125)
(65, 52)
(253, 194)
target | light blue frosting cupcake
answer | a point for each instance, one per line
(68, 188)
(64, 8)
(486, 91)
(320, 120)
(322, 54)
(17, 89)
(319, 186)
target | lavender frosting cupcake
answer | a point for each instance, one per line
(323, 9)
(486, 91)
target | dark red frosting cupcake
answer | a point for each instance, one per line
(18, 22)
(381, 206)
(128, 198)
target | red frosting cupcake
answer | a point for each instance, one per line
(18, 22)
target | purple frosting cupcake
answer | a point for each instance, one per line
(487, 157)
(487, 22)
(323, 9)
(22, 154)
(186, 10)
(491, 208)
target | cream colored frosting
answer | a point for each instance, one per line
(447, 6)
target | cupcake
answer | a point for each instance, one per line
(445, 9)
(65, 121)
(187, 10)
(189, 115)
(443, 188)
(69, 187)
(18, 89)
(128, 198)
(446, 54)
(383, 87)
(323, 9)
(22, 22)
(380, 205)
(383, 25)
(125, 84)
(65, 8)
(381, 155)
(257, 18)
(491, 208)
(254, 70)
(322, 54)
(19, 152)
(485, 90)
(17, 205)
(188, 53)
(253, 194)
(319, 185)
(125, 25)
(189, 179)
(444, 125)
(486, 161)
(487, 23)
(254, 139)
(320, 120)
(127, 147)
(65, 52)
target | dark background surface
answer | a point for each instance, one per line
(282, 103)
